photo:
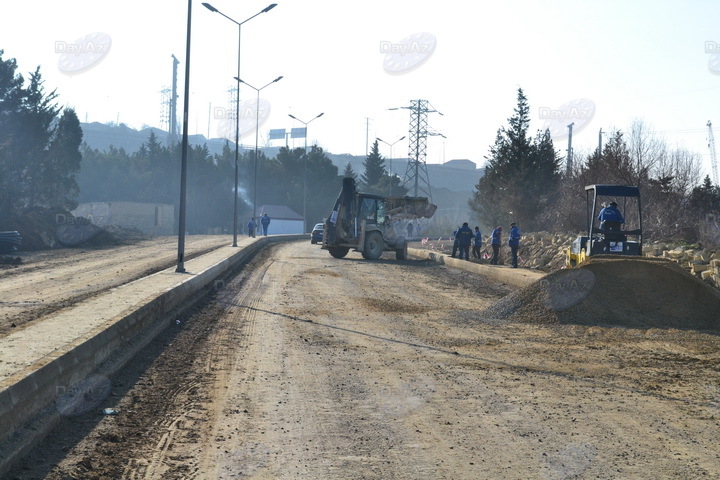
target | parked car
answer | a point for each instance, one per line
(316, 234)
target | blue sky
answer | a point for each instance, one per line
(599, 64)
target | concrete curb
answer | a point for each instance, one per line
(519, 277)
(27, 398)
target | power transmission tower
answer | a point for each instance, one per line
(165, 108)
(416, 175)
(173, 127)
(713, 154)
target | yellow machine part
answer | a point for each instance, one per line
(572, 259)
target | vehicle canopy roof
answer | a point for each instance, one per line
(615, 190)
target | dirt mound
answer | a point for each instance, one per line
(43, 229)
(619, 291)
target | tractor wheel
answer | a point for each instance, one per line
(338, 252)
(402, 253)
(374, 245)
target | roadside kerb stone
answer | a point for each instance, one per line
(518, 277)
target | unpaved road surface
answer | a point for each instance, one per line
(48, 281)
(307, 367)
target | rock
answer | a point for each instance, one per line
(703, 256)
(699, 267)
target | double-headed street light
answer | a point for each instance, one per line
(257, 129)
(391, 156)
(305, 167)
(237, 109)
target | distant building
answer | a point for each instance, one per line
(149, 218)
(282, 219)
(461, 163)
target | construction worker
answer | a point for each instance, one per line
(464, 237)
(265, 221)
(514, 243)
(477, 243)
(610, 217)
(455, 243)
(495, 241)
(610, 220)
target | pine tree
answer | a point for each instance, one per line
(63, 163)
(11, 100)
(520, 176)
(349, 172)
(35, 118)
(39, 150)
(705, 198)
(374, 168)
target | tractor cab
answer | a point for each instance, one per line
(610, 235)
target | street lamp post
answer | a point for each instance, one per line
(237, 109)
(391, 155)
(305, 168)
(183, 165)
(257, 129)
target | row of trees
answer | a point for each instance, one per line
(39, 145)
(524, 182)
(152, 175)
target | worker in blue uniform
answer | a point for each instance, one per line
(514, 243)
(464, 238)
(495, 242)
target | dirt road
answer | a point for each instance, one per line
(47, 281)
(305, 366)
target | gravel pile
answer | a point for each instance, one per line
(616, 291)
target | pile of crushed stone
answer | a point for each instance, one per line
(636, 292)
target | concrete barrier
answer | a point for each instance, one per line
(519, 277)
(117, 325)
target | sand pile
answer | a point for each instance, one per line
(619, 291)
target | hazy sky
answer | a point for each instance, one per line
(598, 64)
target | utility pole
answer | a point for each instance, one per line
(367, 135)
(600, 143)
(417, 167)
(569, 150)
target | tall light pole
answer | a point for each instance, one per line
(183, 164)
(237, 109)
(305, 167)
(391, 155)
(257, 129)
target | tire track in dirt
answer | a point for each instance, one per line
(200, 408)
(240, 299)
